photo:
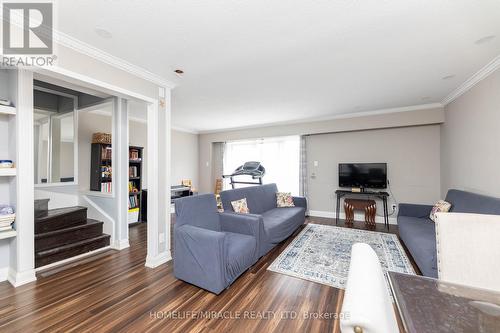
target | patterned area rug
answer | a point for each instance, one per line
(322, 253)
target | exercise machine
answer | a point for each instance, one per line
(252, 169)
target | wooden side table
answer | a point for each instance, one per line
(369, 207)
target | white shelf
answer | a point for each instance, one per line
(8, 234)
(6, 172)
(7, 110)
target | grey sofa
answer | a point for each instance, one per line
(275, 224)
(212, 249)
(418, 232)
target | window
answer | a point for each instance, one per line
(280, 156)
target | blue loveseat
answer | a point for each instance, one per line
(275, 224)
(213, 249)
(418, 233)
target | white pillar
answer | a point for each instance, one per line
(159, 181)
(22, 248)
(120, 172)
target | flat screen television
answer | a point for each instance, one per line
(363, 175)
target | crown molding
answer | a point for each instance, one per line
(483, 73)
(98, 54)
(332, 117)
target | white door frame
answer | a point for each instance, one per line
(159, 128)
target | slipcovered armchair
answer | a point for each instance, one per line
(212, 249)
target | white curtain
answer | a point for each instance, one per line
(280, 156)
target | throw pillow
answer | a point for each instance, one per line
(240, 206)
(284, 199)
(440, 207)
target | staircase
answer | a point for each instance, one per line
(64, 233)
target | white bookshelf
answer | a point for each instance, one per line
(7, 172)
(8, 129)
(8, 110)
(8, 234)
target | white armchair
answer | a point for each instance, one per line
(468, 249)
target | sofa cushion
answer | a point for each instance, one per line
(240, 251)
(468, 202)
(419, 236)
(199, 211)
(259, 198)
(279, 223)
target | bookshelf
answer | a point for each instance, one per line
(101, 176)
(9, 128)
(135, 183)
(101, 168)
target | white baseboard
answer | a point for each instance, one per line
(19, 278)
(158, 260)
(120, 244)
(357, 216)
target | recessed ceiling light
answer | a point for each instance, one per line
(103, 33)
(484, 40)
(448, 77)
(179, 72)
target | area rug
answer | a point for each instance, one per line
(322, 253)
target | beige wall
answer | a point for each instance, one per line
(184, 148)
(184, 157)
(380, 121)
(412, 155)
(470, 140)
(88, 123)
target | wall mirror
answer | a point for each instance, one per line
(55, 137)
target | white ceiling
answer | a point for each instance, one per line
(262, 61)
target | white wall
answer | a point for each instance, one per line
(185, 156)
(377, 121)
(412, 155)
(184, 148)
(470, 140)
(89, 123)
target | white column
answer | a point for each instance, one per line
(120, 172)
(159, 181)
(22, 248)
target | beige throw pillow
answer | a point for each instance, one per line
(440, 207)
(284, 199)
(240, 206)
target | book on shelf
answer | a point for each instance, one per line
(106, 171)
(106, 153)
(132, 171)
(132, 188)
(106, 187)
(134, 155)
(133, 202)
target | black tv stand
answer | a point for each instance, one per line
(380, 195)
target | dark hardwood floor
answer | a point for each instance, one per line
(114, 291)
